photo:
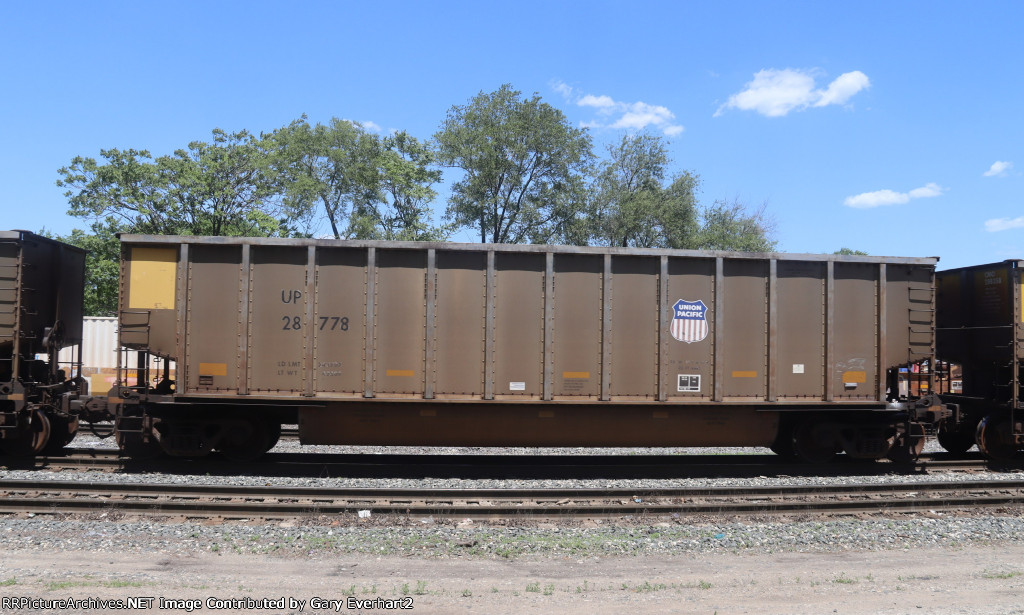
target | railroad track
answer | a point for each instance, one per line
(288, 432)
(497, 466)
(247, 503)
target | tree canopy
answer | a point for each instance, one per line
(523, 165)
(224, 187)
(730, 226)
(524, 173)
(401, 210)
(327, 170)
(365, 186)
(633, 207)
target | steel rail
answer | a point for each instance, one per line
(634, 465)
(19, 496)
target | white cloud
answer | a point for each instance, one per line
(1003, 224)
(367, 124)
(843, 88)
(601, 102)
(774, 93)
(999, 168)
(639, 115)
(878, 198)
(632, 116)
(928, 190)
(562, 88)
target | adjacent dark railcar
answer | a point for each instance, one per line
(980, 326)
(41, 288)
(495, 345)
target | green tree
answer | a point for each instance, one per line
(632, 205)
(326, 170)
(365, 186)
(850, 252)
(219, 188)
(523, 165)
(400, 210)
(730, 226)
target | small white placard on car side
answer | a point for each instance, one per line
(688, 383)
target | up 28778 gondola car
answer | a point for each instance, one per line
(467, 344)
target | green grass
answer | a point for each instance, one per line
(1001, 575)
(116, 584)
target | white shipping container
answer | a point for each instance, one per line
(99, 345)
(99, 354)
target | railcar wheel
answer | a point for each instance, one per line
(869, 444)
(813, 443)
(909, 446)
(995, 438)
(783, 444)
(32, 441)
(246, 441)
(957, 441)
(62, 432)
(273, 434)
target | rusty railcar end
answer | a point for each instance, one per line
(981, 329)
(41, 292)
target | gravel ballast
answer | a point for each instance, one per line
(514, 537)
(933, 562)
(475, 539)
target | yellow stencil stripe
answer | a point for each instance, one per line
(575, 374)
(213, 369)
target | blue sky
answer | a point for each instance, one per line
(889, 127)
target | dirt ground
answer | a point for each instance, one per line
(986, 579)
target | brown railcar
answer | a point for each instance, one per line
(980, 326)
(486, 345)
(41, 290)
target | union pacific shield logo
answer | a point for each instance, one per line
(689, 321)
